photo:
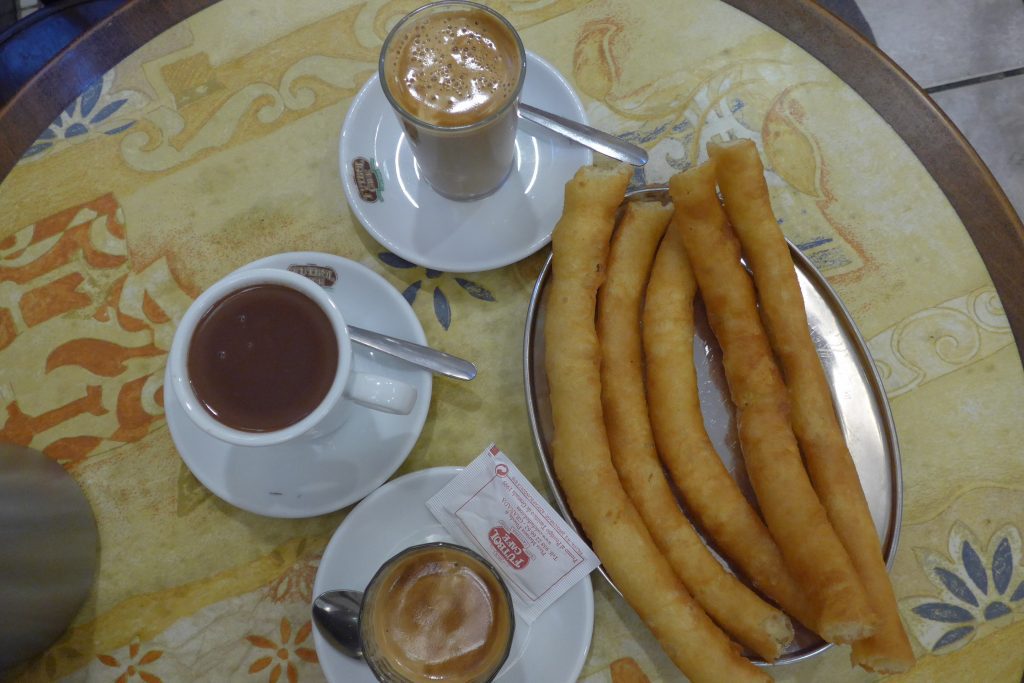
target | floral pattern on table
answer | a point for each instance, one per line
(281, 649)
(246, 631)
(963, 571)
(441, 301)
(132, 667)
(976, 584)
(97, 111)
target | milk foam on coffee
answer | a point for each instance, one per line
(440, 614)
(453, 68)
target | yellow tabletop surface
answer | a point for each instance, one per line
(215, 144)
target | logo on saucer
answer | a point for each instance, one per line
(322, 275)
(367, 178)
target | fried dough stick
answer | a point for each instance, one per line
(580, 446)
(733, 606)
(741, 179)
(791, 508)
(711, 494)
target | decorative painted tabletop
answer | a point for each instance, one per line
(215, 144)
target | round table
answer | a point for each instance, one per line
(181, 140)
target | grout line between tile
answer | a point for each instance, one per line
(974, 80)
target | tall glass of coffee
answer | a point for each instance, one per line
(453, 72)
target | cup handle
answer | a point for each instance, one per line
(381, 393)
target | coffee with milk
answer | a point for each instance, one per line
(436, 612)
(453, 69)
(453, 72)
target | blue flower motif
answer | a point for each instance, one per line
(91, 113)
(972, 592)
(442, 305)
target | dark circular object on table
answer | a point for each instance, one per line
(48, 552)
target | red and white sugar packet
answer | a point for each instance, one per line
(491, 507)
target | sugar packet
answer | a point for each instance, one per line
(492, 508)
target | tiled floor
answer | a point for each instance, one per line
(969, 55)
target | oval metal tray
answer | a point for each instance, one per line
(856, 390)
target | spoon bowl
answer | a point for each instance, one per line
(336, 614)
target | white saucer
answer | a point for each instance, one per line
(394, 517)
(317, 477)
(416, 223)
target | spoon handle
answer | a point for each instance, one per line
(423, 356)
(597, 140)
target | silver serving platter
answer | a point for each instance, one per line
(856, 390)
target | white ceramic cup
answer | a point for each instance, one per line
(349, 387)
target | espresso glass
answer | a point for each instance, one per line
(375, 653)
(460, 162)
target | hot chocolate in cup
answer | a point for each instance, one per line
(453, 72)
(436, 613)
(263, 357)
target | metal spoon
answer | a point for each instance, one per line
(336, 613)
(417, 354)
(597, 140)
(411, 352)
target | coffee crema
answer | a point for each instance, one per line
(262, 358)
(453, 68)
(439, 614)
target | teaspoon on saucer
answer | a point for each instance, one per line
(417, 354)
(597, 140)
(337, 615)
(411, 352)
